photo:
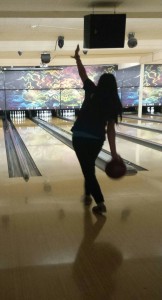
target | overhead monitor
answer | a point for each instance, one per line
(104, 31)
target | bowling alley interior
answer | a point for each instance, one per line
(53, 246)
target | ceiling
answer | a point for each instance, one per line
(32, 27)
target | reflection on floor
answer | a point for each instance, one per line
(52, 247)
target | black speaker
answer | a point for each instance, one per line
(45, 58)
(104, 31)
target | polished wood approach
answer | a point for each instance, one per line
(54, 248)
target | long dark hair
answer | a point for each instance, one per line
(107, 93)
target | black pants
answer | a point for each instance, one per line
(87, 150)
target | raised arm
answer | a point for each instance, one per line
(81, 68)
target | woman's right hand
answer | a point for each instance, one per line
(116, 156)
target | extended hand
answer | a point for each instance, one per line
(76, 52)
(116, 156)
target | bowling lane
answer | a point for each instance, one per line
(46, 232)
(137, 154)
(140, 133)
(47, 152)
(150, 123)
(157, 117)
(3, 157)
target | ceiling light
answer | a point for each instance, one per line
(61, 41)
(45, 58)
(132, 41)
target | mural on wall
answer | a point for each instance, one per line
(36, 89)
(129, 77)
(152, 75)
(152, 82)
(32, 79)
(62, 88)
(94, 72)
(71, 98)
(32, 99)
(128, 81)
(152, 96)
(129, 96)
(69, 77)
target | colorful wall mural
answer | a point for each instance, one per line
(62, 87)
